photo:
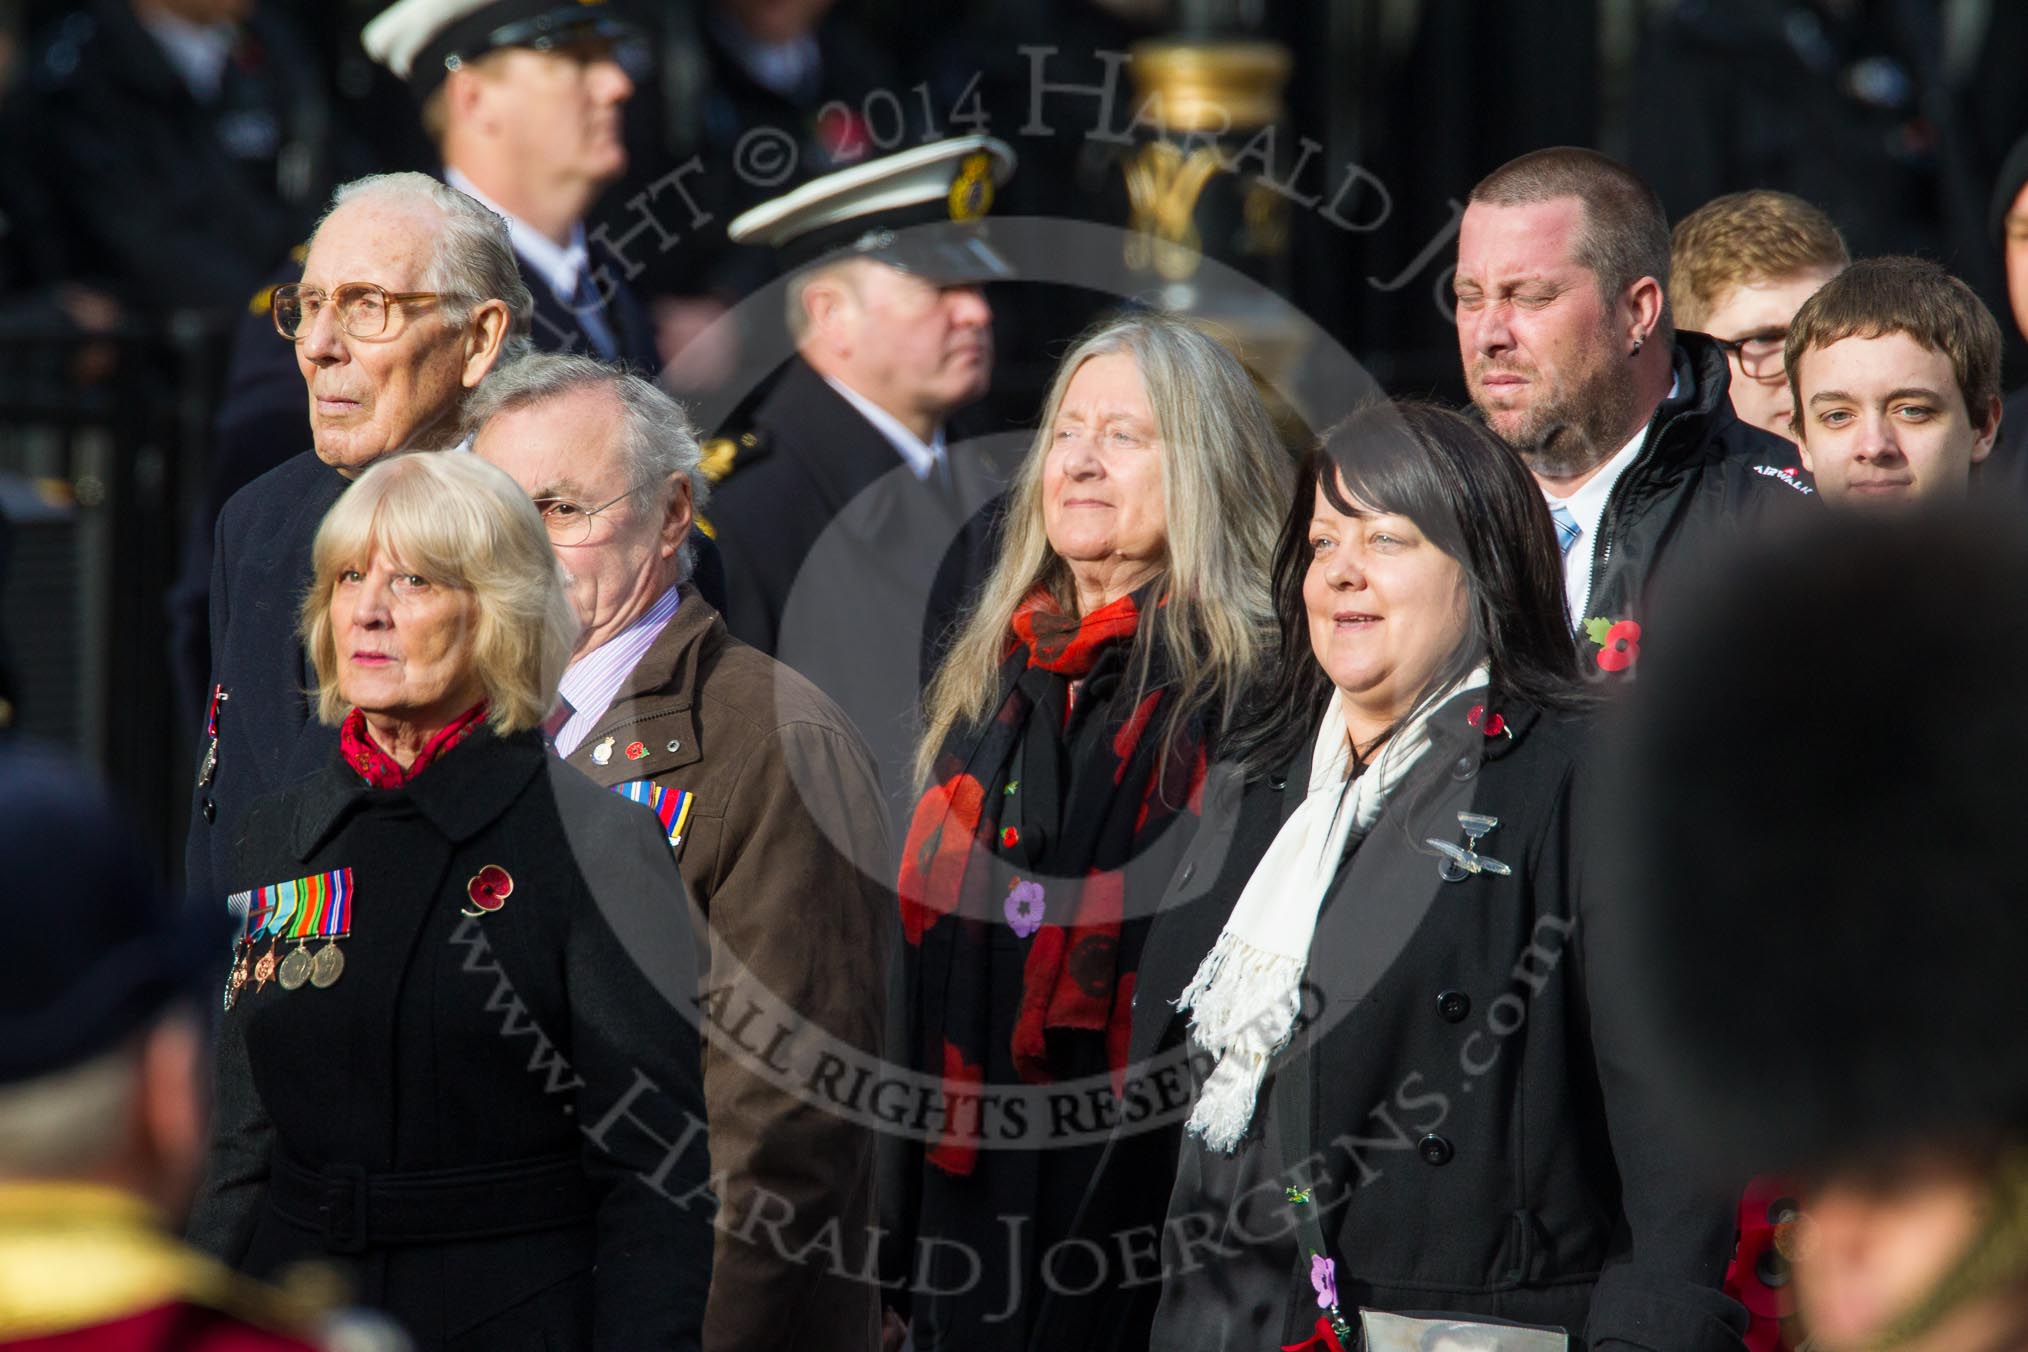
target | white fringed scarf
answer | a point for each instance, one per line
(1246, 995)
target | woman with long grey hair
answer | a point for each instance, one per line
(1066, 738)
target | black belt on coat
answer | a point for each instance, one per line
(355, 1210)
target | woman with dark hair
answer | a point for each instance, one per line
(1378, 960)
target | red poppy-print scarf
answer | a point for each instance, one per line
(1038, 837)
(382, 771)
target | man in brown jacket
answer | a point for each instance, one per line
(771, 803)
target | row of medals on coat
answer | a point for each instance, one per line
(291, 917)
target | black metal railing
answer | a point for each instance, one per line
(104, 449)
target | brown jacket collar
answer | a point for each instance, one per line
(659, 696)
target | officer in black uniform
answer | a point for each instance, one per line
(177, 146)
(852, 525)
(524, 100)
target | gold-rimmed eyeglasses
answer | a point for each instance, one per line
(362, 307)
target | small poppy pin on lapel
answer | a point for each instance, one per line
(636, 750)
(489, 889)
(1490, 724)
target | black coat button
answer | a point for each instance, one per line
(1435, 1150)
(1453, 1005)
(210, 812)
(1278, 783)
(1467, 765)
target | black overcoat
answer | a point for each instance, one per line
(545, 1045)
(1484, 1142)
(267, 737)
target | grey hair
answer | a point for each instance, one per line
(71, 1119)
(1226, 479)
(472, 260)
(840, 273)
(658, 438)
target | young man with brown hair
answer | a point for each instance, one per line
(1895, 370)
(1739, 267)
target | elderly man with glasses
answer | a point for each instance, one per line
(409, 296)
(770, 802)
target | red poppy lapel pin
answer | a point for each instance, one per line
(1619, 642)
(489, 889)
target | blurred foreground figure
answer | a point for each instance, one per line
(1864, 1043)
(101, 1109)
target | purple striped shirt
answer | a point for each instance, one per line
(593, 679)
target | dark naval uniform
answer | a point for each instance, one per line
(809, 456)
(261, 734)
(558, 327)
(844, 565)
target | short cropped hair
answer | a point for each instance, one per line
(1743, 238)
(658, 437)
(464, 524)
(473, 258)
(1626, 234)
(70, 1120)
(1878, 296)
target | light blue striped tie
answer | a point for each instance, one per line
(1567, 529)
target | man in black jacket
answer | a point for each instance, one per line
(176, 148)
(1570, 354)
(384, 377)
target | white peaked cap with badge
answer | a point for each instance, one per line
(866, 211)
(423, 40)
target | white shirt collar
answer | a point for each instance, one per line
(593, 679)
(197, 52)
(787, 68)
(1587, 505)
(559, 266)
(921, 456)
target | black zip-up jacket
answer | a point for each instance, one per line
(1703, 479)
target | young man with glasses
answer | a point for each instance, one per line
(1739, 267)
(771, 803)
(1895, 371)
